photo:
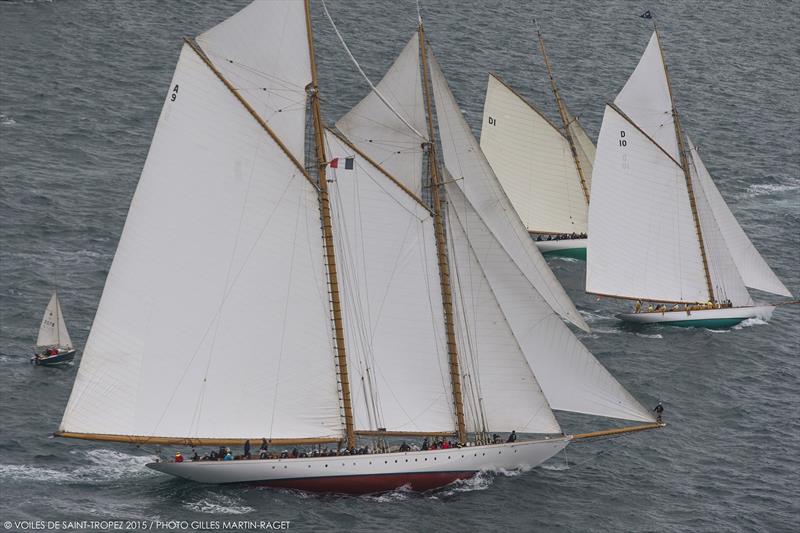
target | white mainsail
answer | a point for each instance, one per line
(53, 329)
(532, 159)
(214, 321)
(642, 238)
(752, 268)
(375, 128)
(568, 374)
(465, 161)
(391, 299)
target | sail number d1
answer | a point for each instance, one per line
(492, 121)
(622, 141)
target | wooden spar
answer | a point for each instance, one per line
(372, 162)
(327, 233)
(630, 121)
(685, 166)
(191, 441)
(379, 433)
(617, 431)
(441, 248)
(642, 298)
(199, 51)
(564, 118)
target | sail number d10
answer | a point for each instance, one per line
(622, 141)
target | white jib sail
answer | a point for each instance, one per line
(499, 389)
(532, 159)
(755, 272)
(467, 164)
(263, 51)
(53, 330)
(642, 236)
(646, 100)
(378, 132)
(214, 321)
(391, 300)
(725, 278)
(568, 374)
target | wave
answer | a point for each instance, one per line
(107, 465)
(218, 504)
(5, 120)
(761, 189)
(480, 481)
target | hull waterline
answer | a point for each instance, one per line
(704, 318)
(365, 474)
(574, 248)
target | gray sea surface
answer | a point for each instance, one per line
(81, 88)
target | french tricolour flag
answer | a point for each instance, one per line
(342, 162)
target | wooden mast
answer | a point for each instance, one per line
(441, 248)
(327, 234)
(685, 166)
(564, 118)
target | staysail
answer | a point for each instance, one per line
(568, 374)
(376, 129)
(53, 330)
(391, 299)
(532, 159)
(214, 321)
(468, 166)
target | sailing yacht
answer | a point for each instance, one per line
(334, 306)
(53, 345)
(545, 169)
(660, 231)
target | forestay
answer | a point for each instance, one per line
(214, 321)
(532, 159)
(376, 129)
(391, 300)
(470, 169)
(751, 266)
(642, 239)
(646, 99)
(568, 374)
(53, 330)
(263, 51)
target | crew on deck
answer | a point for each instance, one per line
(561, 237)
(640, 307)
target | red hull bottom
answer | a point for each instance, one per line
(370, 484)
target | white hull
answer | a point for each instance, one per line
(701, 318)
(563, 244)
(361, 474)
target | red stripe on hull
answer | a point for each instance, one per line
(370, 483)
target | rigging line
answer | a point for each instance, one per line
(298, 217)
(369, 82)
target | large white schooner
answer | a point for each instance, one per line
(545, 169)
(659, 230)
(255, 296)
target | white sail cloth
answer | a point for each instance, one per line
(391, 300)
(517, 319)
(646, 99)
(465, 161)
(263, 52)
(214, 321)
(53, 329)
(533, 161)
(376, 130)
(754, 271)
(642, 239)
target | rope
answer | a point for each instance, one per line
(363, 74)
